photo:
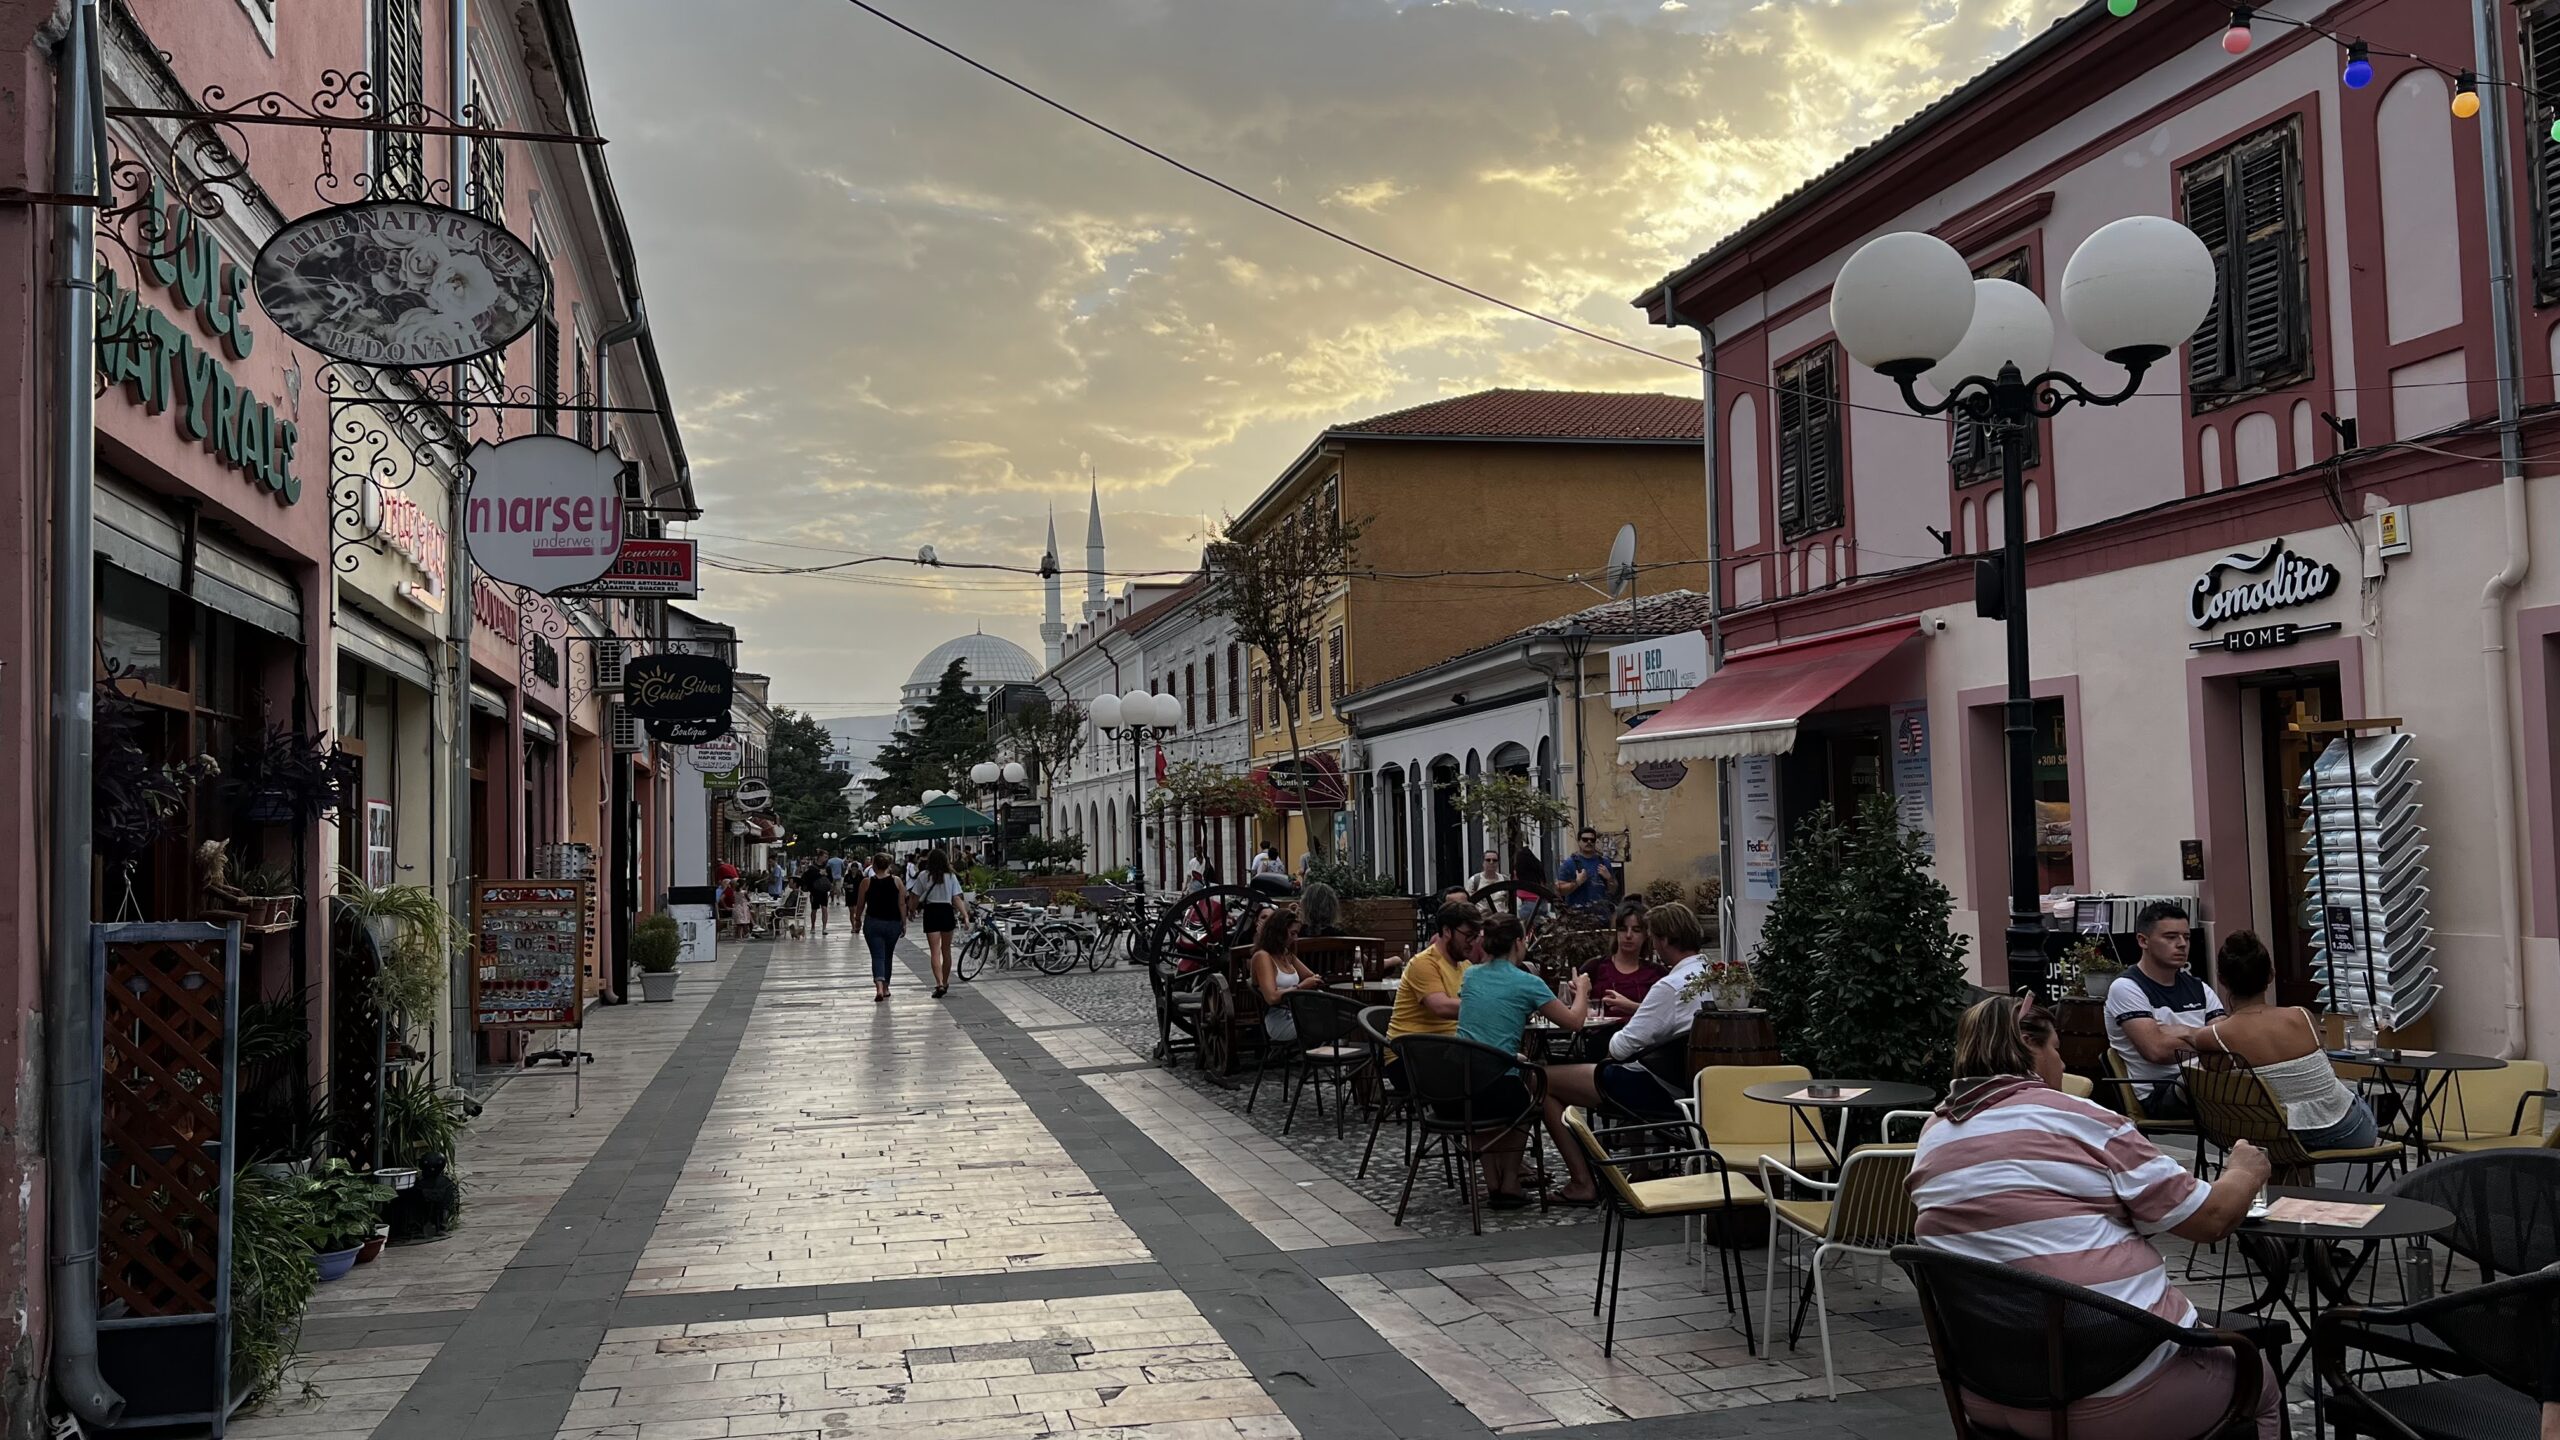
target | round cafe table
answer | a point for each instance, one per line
(2420, 1078)
(1843, 1097)
(2393, 1219)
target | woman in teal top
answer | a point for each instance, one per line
(1494, 1006)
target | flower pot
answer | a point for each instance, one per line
(2094, 983)
(398, 1177)
(372, 1248)
(657, 986)
(334, 1264)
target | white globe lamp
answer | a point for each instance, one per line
(1168, 712)
(2010, 327)
(2137, 288)
(1902, 303)
(984, 773)
(1013, 772)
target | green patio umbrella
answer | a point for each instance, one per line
(944, 819)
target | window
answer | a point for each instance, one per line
(1810, 491)
(399, 92)
(2246, 204)
(1333, 665)
(1209, 688)
(1314, 703)
(1190, 698)
(1256, 721)
(1973, 452)
(579, 397)
(1235, 679)
(488, 164)
(2542, 82)
(1330, 508)
(546, 372)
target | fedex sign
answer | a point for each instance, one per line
(1656, 672)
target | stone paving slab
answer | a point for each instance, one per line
(1296, 1204)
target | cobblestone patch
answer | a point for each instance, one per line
(341, 1394)
(1136, 1367)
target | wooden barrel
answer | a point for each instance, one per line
(2083, 1023)
(1732, 1037)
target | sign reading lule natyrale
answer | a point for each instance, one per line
(400, 283)
(543, 511)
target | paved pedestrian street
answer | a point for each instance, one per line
(780, 1209)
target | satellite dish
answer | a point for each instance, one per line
(1622, 562)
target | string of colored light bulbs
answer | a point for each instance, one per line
(2357, 73)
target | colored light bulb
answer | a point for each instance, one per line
(2120, 8)
(2235, 40)
(2555, 132)
(2359, 71)
(2466, 96)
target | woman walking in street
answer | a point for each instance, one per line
(880, 903)
(936, 892)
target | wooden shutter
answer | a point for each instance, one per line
(1333, 664)
(2273, 329)
(2542, 77)
(1209, 687)
(1256, 722)
(1822, 479)
(2205, 196)
(399, 92)
(1235, 680)
(1791, 448)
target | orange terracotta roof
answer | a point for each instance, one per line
(1541, 415)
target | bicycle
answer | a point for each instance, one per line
(1018, 935)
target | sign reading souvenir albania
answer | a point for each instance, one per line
(400, 283)
(676, 687)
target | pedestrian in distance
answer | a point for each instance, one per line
(879, 901)
(814, 880)
(936, 895)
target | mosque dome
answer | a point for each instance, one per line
(991, 660)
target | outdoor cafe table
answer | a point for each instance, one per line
(1844, 1096)
(2420, 1077)
(2395, 1219)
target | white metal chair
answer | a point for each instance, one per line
(1867, 1211)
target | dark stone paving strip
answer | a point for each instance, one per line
(696, 1309)
(513, 1365)
(1332, 1374)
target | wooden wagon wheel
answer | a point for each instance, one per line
(1217, 1034)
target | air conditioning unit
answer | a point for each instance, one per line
(609, 666)
(627, 736)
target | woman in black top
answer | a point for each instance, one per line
(821, 888)
(880, 901)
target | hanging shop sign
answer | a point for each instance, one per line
(412, 532)
(654, 569)
(717, 756)
(753, 795)
(163, 368)
(1659, 774)
(676, 687)
(529, 941)
(400, 283)
(543, 511)
(689, 732)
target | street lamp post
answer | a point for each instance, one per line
(1907, 306)
(1140, 717)
(995, 787)
(1577, 643)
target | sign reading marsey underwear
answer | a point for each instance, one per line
(676, 687)
(543, 511)
(396, 282)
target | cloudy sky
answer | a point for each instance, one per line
(901, 304)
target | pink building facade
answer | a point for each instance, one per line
(2343, 403)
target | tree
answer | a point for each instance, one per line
(1045, 737)
(1276, 589)
(808, 796)
(937, 751)
(1857, 964)
(1510, 806)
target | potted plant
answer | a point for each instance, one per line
(654, 942)
(136, 799)
(2088, 966)
(283, 778)
(272, 1276)
(266, 895)
(342, 1206)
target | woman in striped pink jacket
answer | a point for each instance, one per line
(2013, 1170)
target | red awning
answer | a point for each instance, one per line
(1324, 784)
(1751, 706)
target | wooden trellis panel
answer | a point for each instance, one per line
(166, 1069)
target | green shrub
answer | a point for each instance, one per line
(654, 943)
(341, 1204)
(1350, 881)
(272, 1278)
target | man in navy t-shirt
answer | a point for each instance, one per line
(2153, 1006)
(1585, 878)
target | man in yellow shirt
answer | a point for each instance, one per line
(1427, 1000)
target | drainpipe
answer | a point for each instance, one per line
(71, 982)
(1715, 608)
(459, 611)
(2500, 591)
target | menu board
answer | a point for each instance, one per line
(528, 939)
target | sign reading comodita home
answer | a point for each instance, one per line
(398, 282)
(2283, 580)
(543, 511)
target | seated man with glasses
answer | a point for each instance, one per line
(1427, 995)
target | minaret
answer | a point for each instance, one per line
(1053, 625)
(1094, 603)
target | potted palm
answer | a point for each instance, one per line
(654, 942)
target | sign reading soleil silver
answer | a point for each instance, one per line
(2290, 580)
(400, 283)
